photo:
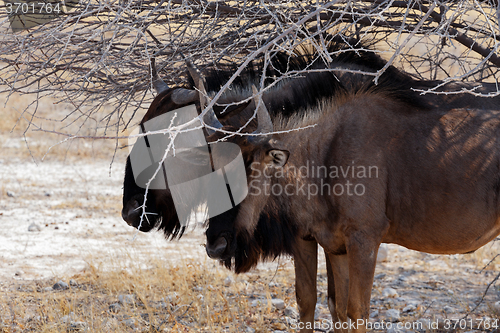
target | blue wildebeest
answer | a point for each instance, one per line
(383, 165)
(276, 225)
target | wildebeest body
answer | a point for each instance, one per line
(436, 188)
(432, 166)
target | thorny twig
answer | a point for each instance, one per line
(482, 297)
(98, 53)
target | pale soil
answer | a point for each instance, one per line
(77, 208)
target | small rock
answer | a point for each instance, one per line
(278, 303)
(380, 276)
(11, 194)
(272, 284)
(389, 292)
(47, 194)
(448, 309)
(126, 299)
(290, 312)
(161, 305)
(497, 306)
(278, 326)
(115, 308)
(257, 302)
(248, 329)
(35, 319)
(317, 311)
(392, 315)
(73, 283)
(48, 289)
(60, 285)
(275, 303)
(228, 281)
(33, 227)
(200, 297)
(402, 278)
(18, 273)
(382, 253)
(78, 326)
(374, 314)
(409, 308)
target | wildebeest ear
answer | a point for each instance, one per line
(278, 157)
(229, 111)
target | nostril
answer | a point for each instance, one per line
(216, 249)
(130, 211)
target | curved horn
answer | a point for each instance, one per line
(210, 118)
(159, 85)
(265, 124)
(184, 96)
(194, 72)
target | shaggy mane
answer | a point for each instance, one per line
(297, 95)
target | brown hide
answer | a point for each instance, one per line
(434, 186)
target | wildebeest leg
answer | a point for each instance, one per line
(306, 268)
(338, 286)
(362, 256)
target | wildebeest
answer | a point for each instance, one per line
(344, 105)
(383, 165)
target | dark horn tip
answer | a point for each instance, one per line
(153, 67)
(158, 84)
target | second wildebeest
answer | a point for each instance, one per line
(434, 187)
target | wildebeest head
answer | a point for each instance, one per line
(227, 231)
(159, 210)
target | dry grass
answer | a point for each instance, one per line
(21, 140)
(191, 297)
(195, 297)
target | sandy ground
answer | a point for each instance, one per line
(76, 209)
